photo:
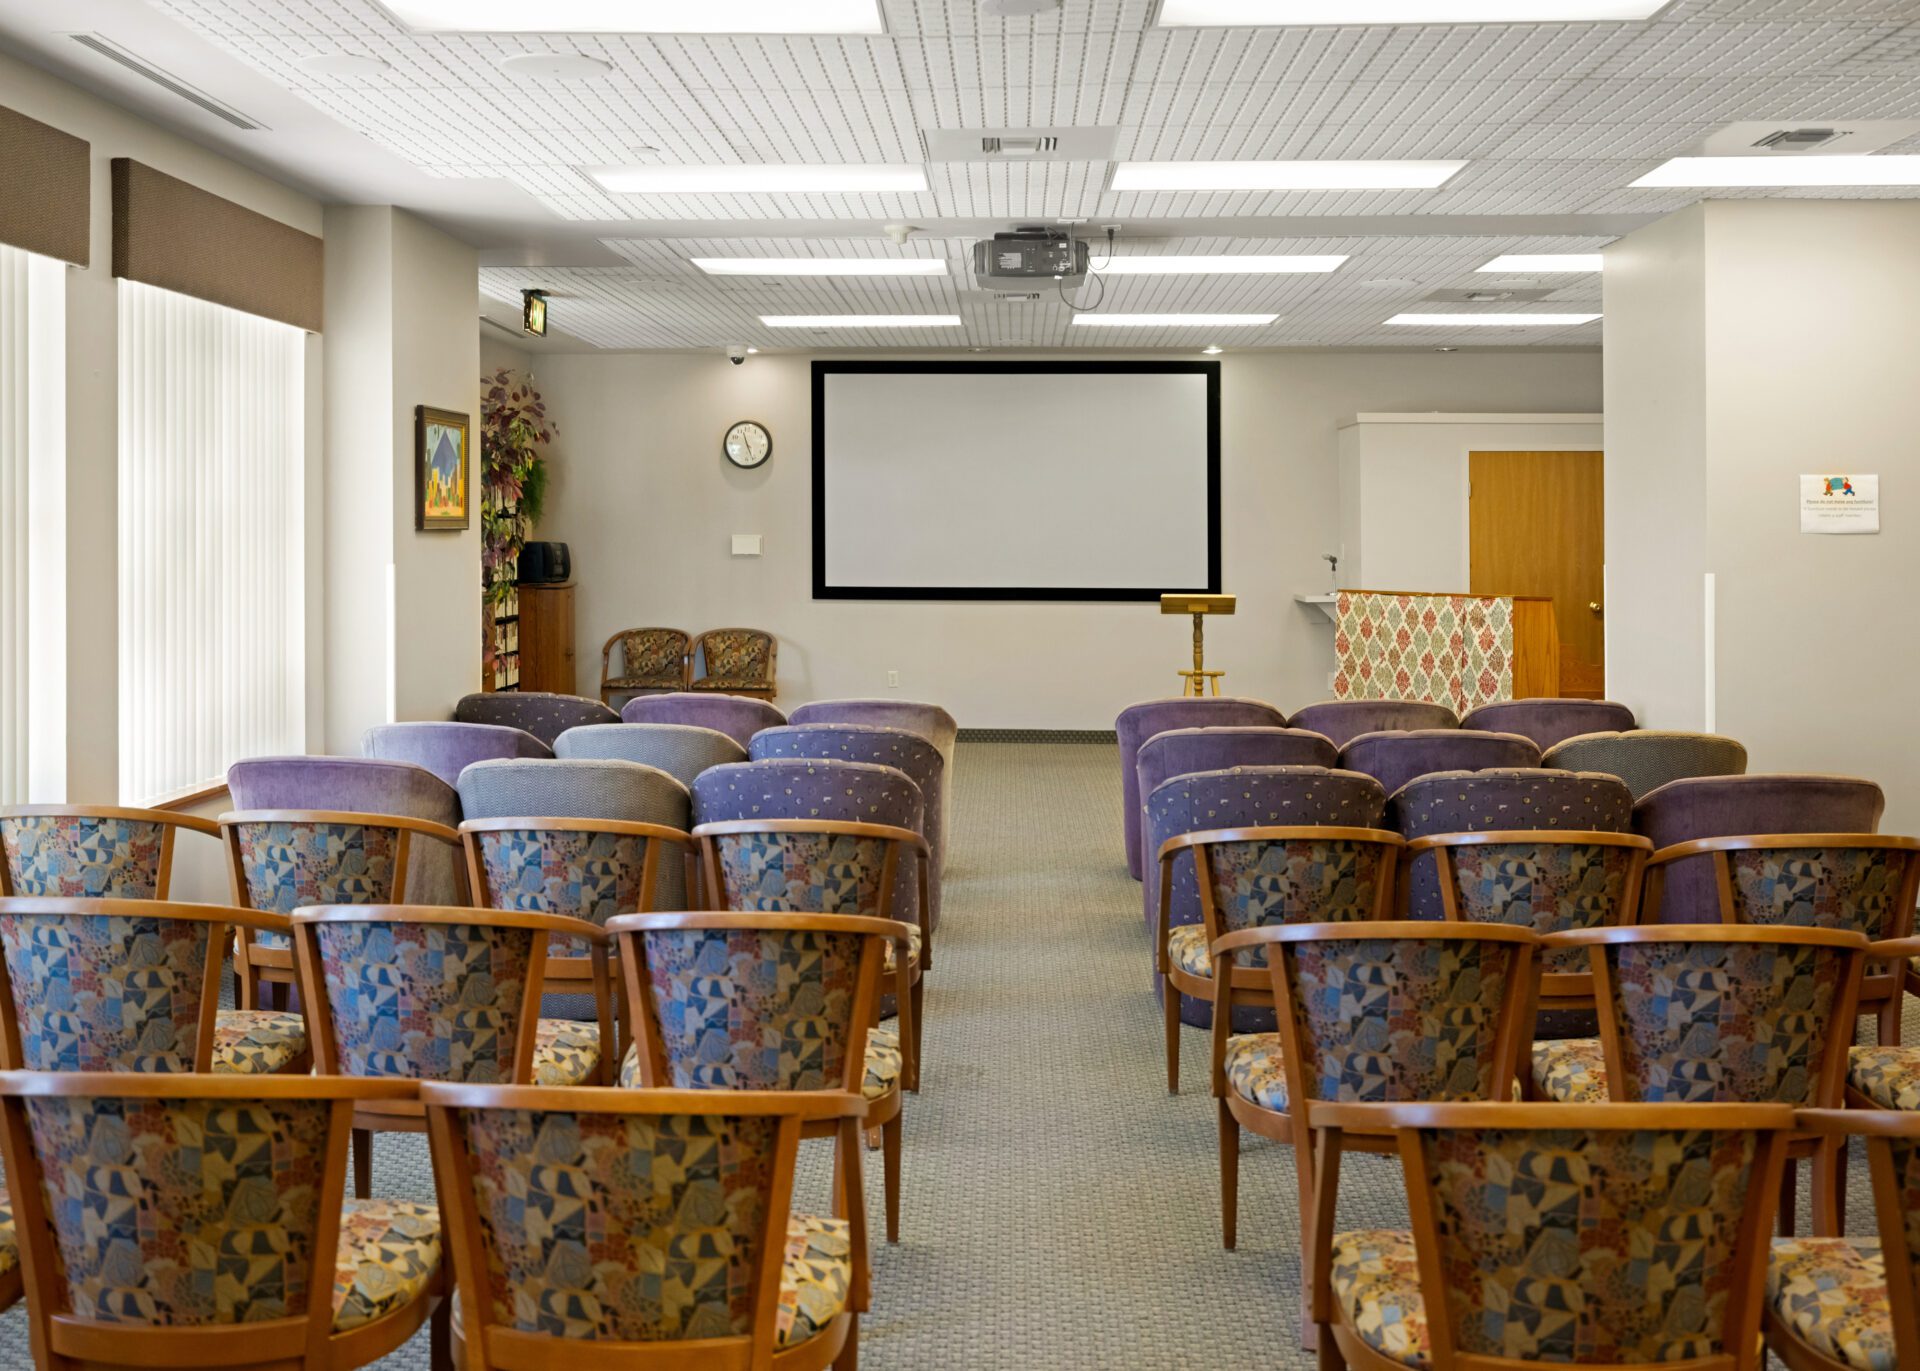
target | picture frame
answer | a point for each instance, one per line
(442, 470)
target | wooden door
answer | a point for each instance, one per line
(1536, 527)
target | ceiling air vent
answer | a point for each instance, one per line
(1796, 140)
(1085, 144)
(995, 145)
(113, 52)
(1016, 297)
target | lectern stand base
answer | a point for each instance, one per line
(1198, 681)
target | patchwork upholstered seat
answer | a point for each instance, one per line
(1256, 1071)
(881, 1076)
(91, 852)
(1375, 1276)
(252, 1041)
(1571, 1070)
(388, 1257)
(1887, 1076)
(1137, 723)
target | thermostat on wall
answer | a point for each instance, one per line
(746, 545)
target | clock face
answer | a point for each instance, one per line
(748, 444)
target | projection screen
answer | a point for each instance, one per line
(1015, 480)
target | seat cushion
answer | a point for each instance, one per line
(1376, 1286)
(256, 1042)
(884, 1064)
(1832, 1292)
(1187, 950)
(892, 960)
(1571, 1070)
(1255, 1072)
(9, 1242)
(389, 1251)
(814, 1282)
(565, 1051)
(1889, 1076)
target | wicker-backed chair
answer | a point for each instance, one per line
(734, 661)
(580, 1225)
(650, 659)
(96, 852)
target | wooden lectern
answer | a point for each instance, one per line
(1199, 606)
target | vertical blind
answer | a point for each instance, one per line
(212, 540)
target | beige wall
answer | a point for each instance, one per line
(1749, 342)
(642, 493)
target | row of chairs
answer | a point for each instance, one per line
(736, 661)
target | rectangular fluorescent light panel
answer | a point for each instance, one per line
(1306, 175)
(1222, 264)
(1175, 320)
(1545, 262)
(861, 320)
(1785, 169)
(639, 16)
(1281, 13)
(1493, 320)
(761, 179)
(821, 266)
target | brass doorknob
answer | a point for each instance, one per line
(1594, 605)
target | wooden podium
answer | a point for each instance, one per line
(1196, 681)
(1457, 650)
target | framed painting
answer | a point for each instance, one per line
(442, 495)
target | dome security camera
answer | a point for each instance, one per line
(736, 354)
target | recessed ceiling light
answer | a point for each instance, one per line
(1280, 13)
(1214, 351)
(823, 321)
(342, 64)
(1304, 175)
(1175, 320)
(555, 66)
(1221, 264)
(639, 16)
(761, 178)
(1835, 169)
(821, 266)
(1545, 261)
(1493, 320)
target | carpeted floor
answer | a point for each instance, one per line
(1061, 1209)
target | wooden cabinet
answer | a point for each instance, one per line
(546, 638)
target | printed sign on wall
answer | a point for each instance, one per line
(1839, 504)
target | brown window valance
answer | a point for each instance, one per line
(181, 238)
(44, 185)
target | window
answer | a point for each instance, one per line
(212, 541)
(33, 482)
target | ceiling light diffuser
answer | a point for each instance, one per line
(766, 178)
(1307, 175)
(1493, 320)
(1545, 261)
(1175, 320)
(861, 320)
(639, 16)
(1281, 13)
(1222, 264)
(1807, 169)
(821, 266)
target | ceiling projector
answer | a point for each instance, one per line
(1029, 254)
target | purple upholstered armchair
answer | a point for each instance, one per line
(1550, 721)
(1393, 759)
(929, 721)
(1137, 723)
(683, 751)
(894, 747)
(360, 785)
(1345, 720)
(1731, 806)
(737, 716)
(545, 715)
(446, 749)
(1244, 797)
(1181, 751)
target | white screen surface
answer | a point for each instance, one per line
(1057, 484)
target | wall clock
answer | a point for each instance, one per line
(747, 444)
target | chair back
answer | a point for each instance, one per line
(737, 716)
(583, 870)
(641, 1223)
(1550, 1234)
(1394, 759)
(184, 1219)
(1189, 751)
(683, 751)
(930, 721)
(650, 659)
(447, 748)
(732, 659)
(1548, 882)
(544, 714)
(752, 1001)
(1341, 721)
(1723, 1015)
(94, 852)
(1648, 758)
(1550, 721)
(282, 859)
(113, 985)
(1137, 723)
(428, 994)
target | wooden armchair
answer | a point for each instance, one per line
(650, 659)
(92, 851)
(734, 661)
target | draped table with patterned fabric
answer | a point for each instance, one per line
(1457, 650)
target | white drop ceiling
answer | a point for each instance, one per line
(1555, 122)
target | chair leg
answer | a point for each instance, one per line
(1170, 998)
(1330, 1356)
(890, 1161)
(440, 1333)
(849, 1358)
(362, 1163)
(1229, 1178)
(919, 998)
(1839, 1228)
(1310, 1334)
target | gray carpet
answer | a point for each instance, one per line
(1061, 1209)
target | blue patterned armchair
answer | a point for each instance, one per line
(92, 852)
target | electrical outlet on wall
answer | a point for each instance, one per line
(893, 678)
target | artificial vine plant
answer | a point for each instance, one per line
(514, 429)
